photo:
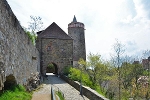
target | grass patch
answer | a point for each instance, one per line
(60, 95)
(16, 93)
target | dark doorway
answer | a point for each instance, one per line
(52, 68)
(10, 82)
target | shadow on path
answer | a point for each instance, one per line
(70, 93)
(53, 79)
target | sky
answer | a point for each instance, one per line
(106, 21)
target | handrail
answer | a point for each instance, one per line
(52, 94)
(57, 89)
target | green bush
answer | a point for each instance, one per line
(75, 74)
(51, 66)
(66, 70)
(31, 36)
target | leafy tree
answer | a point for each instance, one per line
(126, 71)
(95, 65)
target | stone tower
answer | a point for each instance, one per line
(76, 32)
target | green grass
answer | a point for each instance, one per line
(16, 93)
(60, 95)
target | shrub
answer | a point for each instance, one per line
(31, 36)
(75, 74)
(51, 66)
(66, 70)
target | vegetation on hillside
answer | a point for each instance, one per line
(118, 79)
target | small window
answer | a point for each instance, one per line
(71, 62)
(62, 50)
(48, 48)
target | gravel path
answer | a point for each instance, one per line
(69, 92)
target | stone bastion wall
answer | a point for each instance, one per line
(18, 56)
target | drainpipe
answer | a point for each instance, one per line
(41, 60)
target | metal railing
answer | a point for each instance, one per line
(52, 94)
(53, 91)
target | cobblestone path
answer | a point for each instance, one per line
(44, 92)
(70, 93)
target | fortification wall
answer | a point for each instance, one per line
(18, 56)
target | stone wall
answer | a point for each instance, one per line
(86, 91)
(18, 56)
(57, 51)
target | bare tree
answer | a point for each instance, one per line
(118, 52)
(36, 24)
(146, 54)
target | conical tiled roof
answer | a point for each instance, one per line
(54, 31)
(74, 19)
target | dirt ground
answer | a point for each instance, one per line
(42, 93)
(41, 97)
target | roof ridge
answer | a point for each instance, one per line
(54, 31)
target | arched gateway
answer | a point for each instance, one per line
(52, 68)
(56, 48)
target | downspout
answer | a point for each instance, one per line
(41, 61)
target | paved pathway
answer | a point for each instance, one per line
(69, 92)
(43, 93)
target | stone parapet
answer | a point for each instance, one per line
(86, 91)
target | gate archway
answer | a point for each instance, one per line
(52, 68)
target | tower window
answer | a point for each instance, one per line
(48, 48)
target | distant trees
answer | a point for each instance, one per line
(97, 68)
(121, 78)
(146, 54)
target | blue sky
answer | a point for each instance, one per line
(105, 21)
